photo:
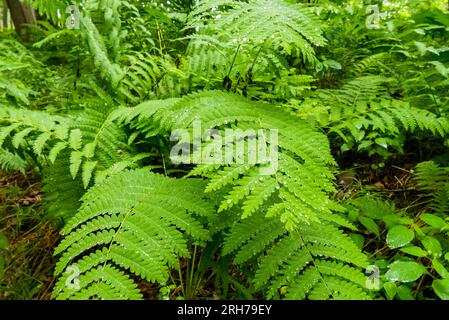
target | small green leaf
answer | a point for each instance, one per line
(382, 142)
(89, 150)
(393, 219)
(370, 225)
(4, 244)
(88, 168)
(441, 288)
(358, 239)
(56, 150)
(75, 140)
(419, 31)
(414, 251)
(404, 271)
(40, 142)
(75, 163)
(432, 246)
(440, 269)
(19, 138)
(390, 290)
(399, 236)
(405, 293)
(332, 64)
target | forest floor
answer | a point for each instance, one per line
(28, 271)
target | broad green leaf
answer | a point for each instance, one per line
(414, 251)
(399, 236)
(404, 271)
(433, 221)
(441, 288)
(432, 246)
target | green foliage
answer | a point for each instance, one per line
(299, 179)
(364, 116)
(133, 222)
(423, 237)
(316, 260)
(119, 116)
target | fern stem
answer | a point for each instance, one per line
(180, 279)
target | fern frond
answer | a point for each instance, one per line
(132, 222)
(302, 262)
(11, 162)
(302, 178)
(433, 180)
(290, 27)
(430, 177)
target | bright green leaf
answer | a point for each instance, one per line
(432, 246)
(441, 288)
(433, 220)
(399, 236)
(404, 271)
(414, 251)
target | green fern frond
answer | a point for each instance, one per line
(290, 27)
(61, 193)
(302, 179)
(12, 162)
(433, 180)
(133, 223)
(431, 177)
(300, 263)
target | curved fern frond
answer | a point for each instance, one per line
(294, 172)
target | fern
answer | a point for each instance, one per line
(133, 223)
(433, 180)
(362, 113)
(61, 193)
(111, 71)
(12, 162)
(290, 27)
(256, 62)
(316, 260)
(302, 180)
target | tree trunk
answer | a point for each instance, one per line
(4, 15)
(21, 14)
